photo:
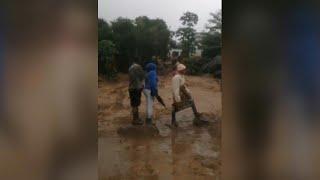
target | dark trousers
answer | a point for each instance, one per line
(135, 97)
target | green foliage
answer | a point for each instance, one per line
(211, 45)
(104, 30)
(195, 66)
(187, 37)
(215, 23)
(132, 40)
(187, 34)
(106, 63)
(125, 42)
(211, 41)
(153, 38)
(106, 50)
(189, 19)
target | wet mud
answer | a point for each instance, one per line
(160, 151)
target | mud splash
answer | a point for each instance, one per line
(187, 152)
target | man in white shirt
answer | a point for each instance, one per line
(182, 98)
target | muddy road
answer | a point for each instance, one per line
(187, 152)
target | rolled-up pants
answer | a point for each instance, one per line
(149, 100)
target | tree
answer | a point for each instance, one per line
(215, 24)
(104, 30)
(106, 50)
(106, 63)
(144, 48)
(161, 38)
(125, 42)
(187, 34)
(173, 44)
(188, 40)
(153, 37)
(211, 45)
(211, 41)
(189, 19)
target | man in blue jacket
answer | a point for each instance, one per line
(150, 89)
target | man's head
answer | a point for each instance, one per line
(181, 68)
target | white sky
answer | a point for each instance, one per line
(168, 10)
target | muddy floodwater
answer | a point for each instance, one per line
(187, 152)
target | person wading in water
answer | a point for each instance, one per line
(182, 98)
(136, 84)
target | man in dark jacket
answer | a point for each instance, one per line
(136, 84)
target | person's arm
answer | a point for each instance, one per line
(188, 92)
(186, 89)
(153, 84)
(176, 88)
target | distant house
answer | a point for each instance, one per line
(199, 37)
(198, 51)
(174, 53)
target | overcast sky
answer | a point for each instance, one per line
(168, 10)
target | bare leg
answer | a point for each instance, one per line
(149, 106)
(173, 120)
(197, 120)
(194, 109)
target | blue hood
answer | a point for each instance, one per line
(151, 81)
(151, 67)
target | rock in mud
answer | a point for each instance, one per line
(138, 131)
(201, 120)
(205, 119)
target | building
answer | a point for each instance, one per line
(174, 53)
(198, 51)
(199, 37)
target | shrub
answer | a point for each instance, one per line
(196, 66)
(106, 62)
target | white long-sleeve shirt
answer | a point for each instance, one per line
(177, 81)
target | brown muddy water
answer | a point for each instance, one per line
(187, 152)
